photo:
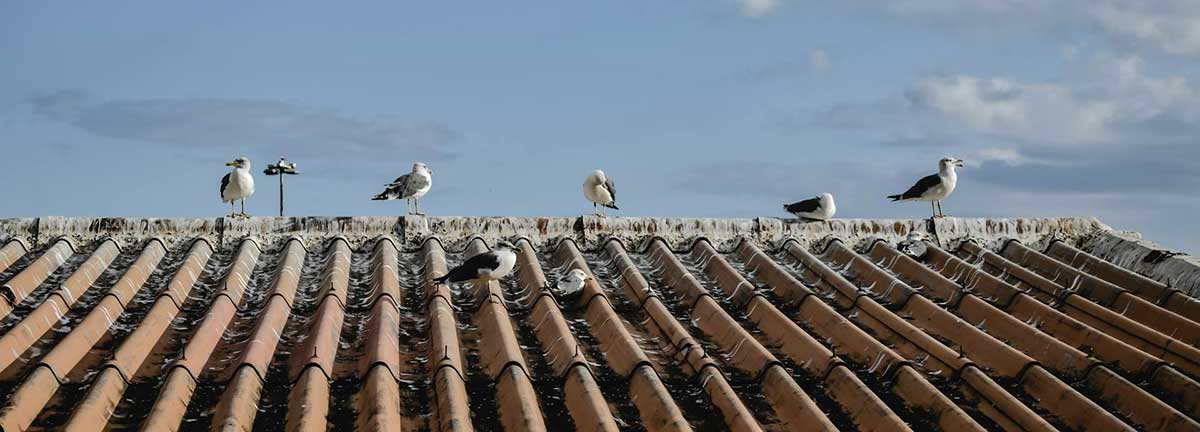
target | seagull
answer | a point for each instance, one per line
(487, 266)
(817, 208)
(411, 187)
(237, 185)
(599, 189)
(934, 187)
(572, 284)
(914, 244)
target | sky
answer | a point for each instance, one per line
(695, 108)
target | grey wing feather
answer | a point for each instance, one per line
(612, 189)
(414, 184)
(394, 190)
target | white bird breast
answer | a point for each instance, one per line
(241, 185)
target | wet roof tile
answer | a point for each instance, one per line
(745, 325)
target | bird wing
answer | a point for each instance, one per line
(612, 189)
(924, 184)
(395, 189)
(807, 206)
(224, 184)
(414, 184)
(484, 261)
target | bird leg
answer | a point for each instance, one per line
(244, 209)
(232, 209)
(408, 206)
(417, 205)
(940, 211)
(933, 209)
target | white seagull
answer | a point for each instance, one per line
(599, 189)
(237, 185)
(487, 266)
(934, 187)
(571, 284)
(818, 208)
(409, 187)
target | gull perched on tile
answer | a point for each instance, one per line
(817, 208)
(572, 284)
(599, 189)
(488, 266)
(409, 187)
(934, 187)
(237, 184)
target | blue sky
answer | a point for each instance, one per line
(712, 109)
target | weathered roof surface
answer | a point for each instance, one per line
(689, 324)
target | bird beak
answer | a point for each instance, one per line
(959, 163)
(231, 163)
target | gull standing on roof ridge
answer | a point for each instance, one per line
(819, 208)
(487, 266)
(409, 187)
(237, 184)
(599, 189)
(934, 187)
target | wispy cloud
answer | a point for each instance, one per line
(1168, 26)
(757, 8)
(245, 123)
(1114, 104)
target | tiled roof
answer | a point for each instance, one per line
(689, 324)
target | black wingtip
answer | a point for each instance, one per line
(612, 206)
(895, 197)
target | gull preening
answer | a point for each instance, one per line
(817, 208)
(599, 189)
(237, 184)
(487, 266)
(572, 284)
(934, 187)
(409, 187)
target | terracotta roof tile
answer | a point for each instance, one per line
(745, 325)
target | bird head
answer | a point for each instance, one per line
(949, 163)
(503, 244)
(577, 274)
(421, 167)
(241, 162)
(826, 197)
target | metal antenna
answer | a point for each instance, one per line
(281, 168)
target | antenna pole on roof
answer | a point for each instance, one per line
(281, 168)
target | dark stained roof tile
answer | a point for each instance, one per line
(714, 325)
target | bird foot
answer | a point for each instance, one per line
(600, 215)
(244, 215)
(418, 214)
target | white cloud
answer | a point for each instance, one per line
(757, 8)
(1170, 26)
(1006, 155)
(818, 60)
(1114, 103)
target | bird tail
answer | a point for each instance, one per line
(380, 197)
(612, 206)
(896, 197)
